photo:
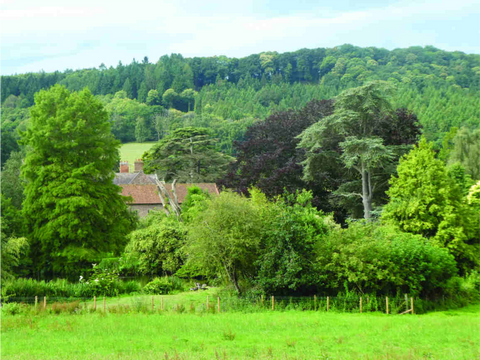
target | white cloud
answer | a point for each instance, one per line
(55, 36)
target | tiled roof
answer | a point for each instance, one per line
(133, 178)
(148, 193)
(141, 194)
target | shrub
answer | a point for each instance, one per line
(163, 285)
(27, 289)
(158, 247)
(371, 257)
(292, 228)
(103, 281)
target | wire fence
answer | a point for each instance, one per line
(219, 304)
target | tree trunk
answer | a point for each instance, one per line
(366, 194)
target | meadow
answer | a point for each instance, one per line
(189, 334)
(133, 151)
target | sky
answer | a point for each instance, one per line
(54, 35)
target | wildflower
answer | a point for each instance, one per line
(81, 277)
(96, 280)
(93, 265)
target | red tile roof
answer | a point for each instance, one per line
(148, 194)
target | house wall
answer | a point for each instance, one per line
(143, 209)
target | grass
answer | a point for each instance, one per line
(235, 335)
(134, 151)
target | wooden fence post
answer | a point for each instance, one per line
(44, 302)
(387, 303)
(36, 301)
(411, 301)
(314, 302)
(406, 302)
(273, 302)
(218, 304)
(328, 302)
(161, 305)
(104, 306)
(262, 300)
(95, 303)
(360, 304)
(152, 304)
(208, 303)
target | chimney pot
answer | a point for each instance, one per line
(138, 165)
(124, 168)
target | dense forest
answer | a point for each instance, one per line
(146, 101)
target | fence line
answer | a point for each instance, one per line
(314, 303)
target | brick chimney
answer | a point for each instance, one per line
(124, 167)
(138, 165)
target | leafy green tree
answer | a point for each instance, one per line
(9, 145)
(74, 213)
(153, 98)
(292, 231)
(127, 87)
(225, 238)
(13, 247)
(466, 151)
(12, 183)
(169, 97)
(188, 155)
(473, 197)
(143, 131)
(159, 246)
(358, 112)
(425, 200)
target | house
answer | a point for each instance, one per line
(143, 189)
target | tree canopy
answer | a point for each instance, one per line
(74, 213)
(187, 155)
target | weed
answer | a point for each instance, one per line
(290, 342)
(228, 335)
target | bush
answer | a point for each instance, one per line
(27, 289)
(292, 229)
(375, 258)
(163, 286)
(158, 246)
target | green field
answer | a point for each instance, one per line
(238, 335)
(133, 151)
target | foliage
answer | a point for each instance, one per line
(12, 183)
(466, 151)
(102, 281)
(158, 245)
(425, 200)
(187, 155)
(73, 210)
(370, 257)
(11, 249)
(163, 286)
(225, 237)
(28, 288)
(8, 144)
(353, 128)
(268, 157)
(292, 229)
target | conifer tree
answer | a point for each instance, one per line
(425, 200)
(74, 213)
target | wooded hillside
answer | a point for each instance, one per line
(228, 94)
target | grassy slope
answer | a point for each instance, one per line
(134, 151)
(265, 335)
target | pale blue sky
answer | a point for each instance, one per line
(57, 35)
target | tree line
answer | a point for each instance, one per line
(148, 100)
(342, 195)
